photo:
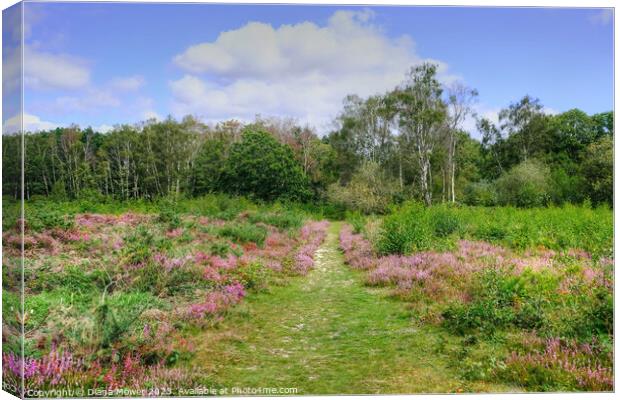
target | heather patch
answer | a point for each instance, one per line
(485, 291)
(110, 299)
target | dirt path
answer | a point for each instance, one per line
(326, 333)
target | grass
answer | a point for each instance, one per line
(114, 291)
(413, 227)
(532, 309)
(222, 283)
(328, 333)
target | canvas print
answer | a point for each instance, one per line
(285, 200)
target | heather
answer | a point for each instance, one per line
(112, 300)
(534, 313)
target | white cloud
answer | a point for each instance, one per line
(550, 111)
(302, 71)
(31, 123)
(480, 111)
(104, 128)
(90, 101)
(602, 17)
(348, 43)
(128, 83)
(150, 114)
(11, 68)
(54, 71)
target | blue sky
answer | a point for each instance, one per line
(102, 64)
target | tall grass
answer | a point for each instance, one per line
(414, 227)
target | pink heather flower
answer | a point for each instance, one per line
(201, 258)
(236, 291)
(274, 265)
(174, 233)
(220, 263)
(212, 274)
(146, 331)
(303, 262)
(77, 236)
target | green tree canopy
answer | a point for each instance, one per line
(259, 166)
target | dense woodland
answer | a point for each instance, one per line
(408, 143)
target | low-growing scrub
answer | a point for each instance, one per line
(552, 302)
(413, 227)
(110, 297)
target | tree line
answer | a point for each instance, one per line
(408, 143)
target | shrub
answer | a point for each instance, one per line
(222, 248)
(140, 244)
(480, 194)
(525, 185)
(598, 168)
(280, 219)
(494, 306)
(243, 232)
(168, 214)
(357, 221)
(445, 223)
(252, 275)
(42, 216)
(406, 231)
(117, 315)
(369, 191)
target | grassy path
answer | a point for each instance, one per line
(326, 333)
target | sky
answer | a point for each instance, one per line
(102, 64)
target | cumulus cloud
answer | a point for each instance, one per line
(11, 67)
(150, 114)
(480, 111)
(302, 70)
(348, 42)
(31, 123)
(44, 70)
(91, 100)
(127, 83)
(104, 128)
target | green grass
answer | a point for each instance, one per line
(243, 233)
(328, 333)
(414, 227)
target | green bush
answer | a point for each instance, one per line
(414, 227)
(168, 214)
(261, 167)
(357, 221)
(598, 168)
(252, 276)
(370, 190)
(279, 219)
(243, 232)
(44, 215)
(445, 223)
(141, 243)
(525, 185)
(222, 248)
(406, 231)
(117, 315)
(493, 306)
(480, 194)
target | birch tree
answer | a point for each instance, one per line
(421, 117)
(460, 101)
